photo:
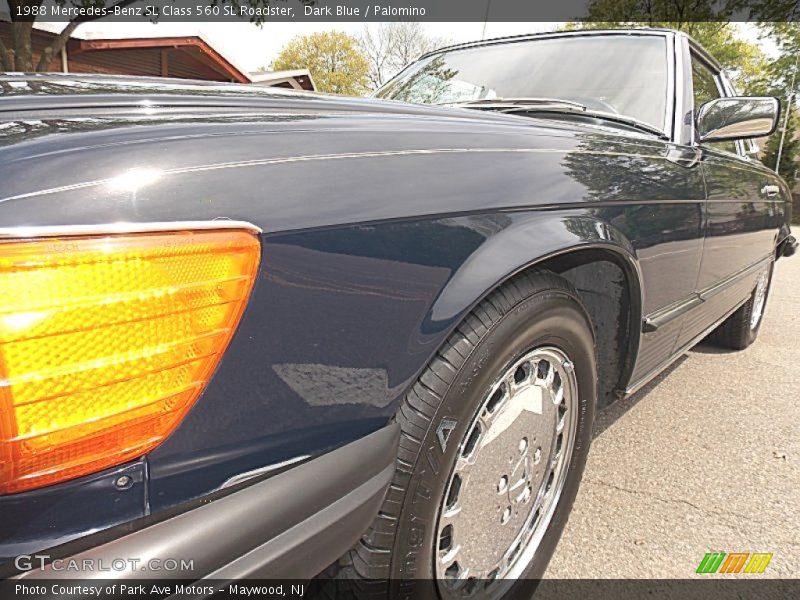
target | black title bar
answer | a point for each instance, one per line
(404, 10)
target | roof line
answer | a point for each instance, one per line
(195, 41)
(552, 34)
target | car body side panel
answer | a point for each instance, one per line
(743, 223)
(741, 228)
(656, 202)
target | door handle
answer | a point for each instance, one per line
(770, 191)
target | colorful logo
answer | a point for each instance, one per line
(737, 562)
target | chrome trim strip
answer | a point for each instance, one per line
(671, 101)
(664, 315)
(683, 131)
(241, 477)
(704, 54)
(635, 387)
(121, 227)
(731, 279)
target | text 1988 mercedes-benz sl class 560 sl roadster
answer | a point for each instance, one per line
(258, 330)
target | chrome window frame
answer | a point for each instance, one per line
(730, 91)
(724, 87)
(684, 97)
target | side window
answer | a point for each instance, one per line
(705, 88)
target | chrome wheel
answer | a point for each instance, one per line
(759, 300)
(509, 474)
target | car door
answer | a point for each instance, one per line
(741, 216)
(665, 225)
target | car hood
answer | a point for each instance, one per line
(100, 150)
(54, 95)
(31, 93)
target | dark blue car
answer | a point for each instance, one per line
(245, 332)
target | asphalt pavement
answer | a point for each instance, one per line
(704, 459)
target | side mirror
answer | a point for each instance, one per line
(737, 118)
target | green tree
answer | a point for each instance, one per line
(782, 79)
(334, 59)
(653, 12)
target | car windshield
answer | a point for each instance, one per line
(626, 75)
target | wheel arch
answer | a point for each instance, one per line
(609, 287)
(576, 247)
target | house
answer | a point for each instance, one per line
(184, 57)
(297, 79)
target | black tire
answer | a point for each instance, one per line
(736, 332)
(531, 310)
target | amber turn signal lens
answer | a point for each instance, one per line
(107, 341)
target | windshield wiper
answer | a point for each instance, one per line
(528, 105)
(511, 103)
(599, 114)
